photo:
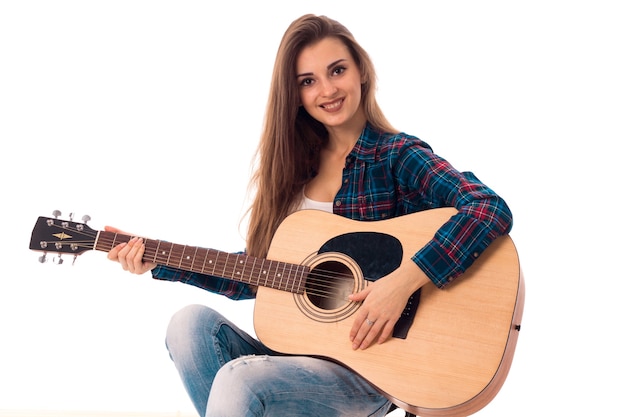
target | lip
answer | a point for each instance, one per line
(333, 106)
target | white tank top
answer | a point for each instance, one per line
(308, 204)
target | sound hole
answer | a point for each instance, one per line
(329, 285)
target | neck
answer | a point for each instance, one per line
(341, 140)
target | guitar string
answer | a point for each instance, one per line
(111, 239)
(322, 280)
(176, 254)
(322, 283)
(318, 278)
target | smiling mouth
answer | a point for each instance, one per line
(333, 106)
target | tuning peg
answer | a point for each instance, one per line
(42, 259)
(86, 218)
(56, 214)
(57, 260)
(71, 217)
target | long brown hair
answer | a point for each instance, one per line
(289, 149)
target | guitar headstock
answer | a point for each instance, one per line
(62, 236)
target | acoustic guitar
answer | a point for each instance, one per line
(451, 349)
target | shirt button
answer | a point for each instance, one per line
(345, 181)
(337, 203)
(476, 254)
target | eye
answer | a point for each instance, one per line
(338, 70)
(306, 82)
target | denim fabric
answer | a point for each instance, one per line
(228, 373)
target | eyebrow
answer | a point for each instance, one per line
(329, 66)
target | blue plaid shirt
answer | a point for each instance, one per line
(389, 175)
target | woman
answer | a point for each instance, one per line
(326, 145)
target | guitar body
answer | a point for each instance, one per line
(458, 350)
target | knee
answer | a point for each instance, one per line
(240, 387)
(187, 324)
(245, 371)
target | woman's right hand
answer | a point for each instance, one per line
(130, 254)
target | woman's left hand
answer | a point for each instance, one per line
(383, 303)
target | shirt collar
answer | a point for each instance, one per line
(366, 146)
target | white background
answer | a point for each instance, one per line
(146, 114)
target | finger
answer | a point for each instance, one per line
(359, 319)
(115, 252)
(137, 257)
(134, 255)
(122, 254)
(386, 332)
(127, 253)
(360, 296)
(367, 334)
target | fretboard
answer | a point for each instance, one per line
(233, 266)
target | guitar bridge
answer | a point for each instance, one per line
(401, 329)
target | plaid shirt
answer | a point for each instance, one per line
(389, 175)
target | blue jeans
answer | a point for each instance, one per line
(228, 373)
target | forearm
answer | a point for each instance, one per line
(461, 240)
(231, 289)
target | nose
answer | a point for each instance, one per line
(328, 87)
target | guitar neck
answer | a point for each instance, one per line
(232, 266)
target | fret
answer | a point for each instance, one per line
(196, 259)
(271, 274)
(280, 273)
(303, 270)
(243, 268)
(267, 271)
(225, 265)
(206, 254)
(186, 259)
(103, 238)
(242, 263)
(252, 271)
(295, 285)
(114, 240)
(296, 280)
(284, 276)
(236, 264)
(214, 262)
(156, 251)
(175, 255)
(182, 253)
(289, 283)
(164, 253)
(169, 254)
(193, 259)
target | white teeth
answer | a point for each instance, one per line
(333, 105)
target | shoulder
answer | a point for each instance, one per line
(383, 144)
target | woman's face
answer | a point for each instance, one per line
(329, 82)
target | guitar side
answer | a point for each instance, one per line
(459, 348)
